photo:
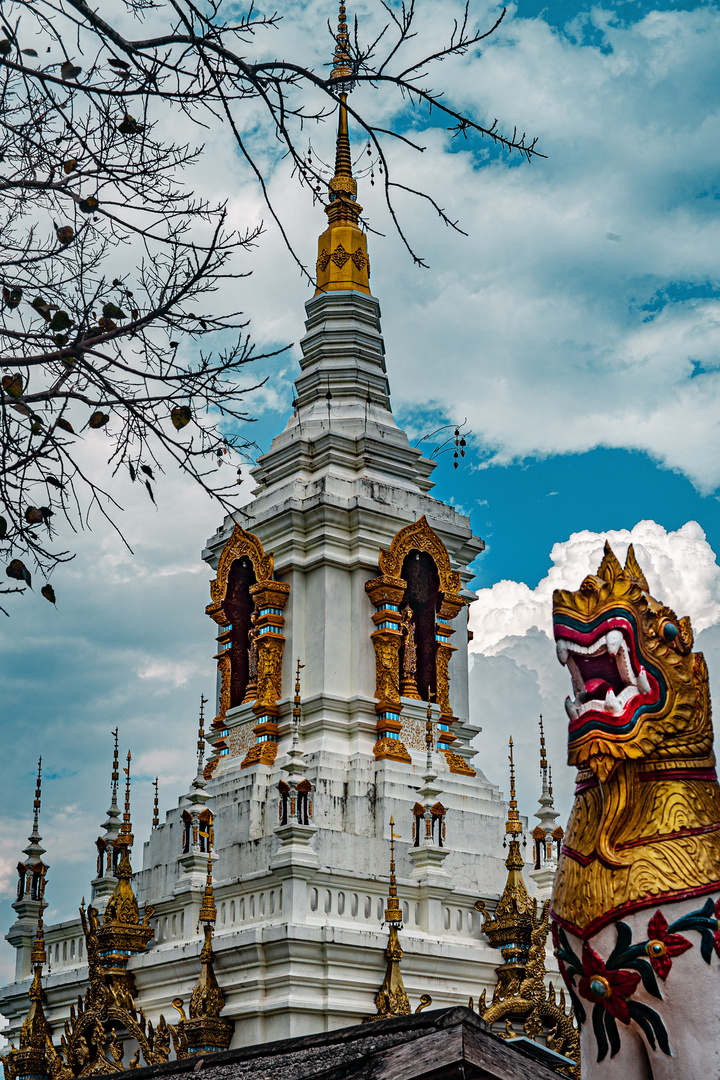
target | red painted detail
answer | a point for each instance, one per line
(633, 905)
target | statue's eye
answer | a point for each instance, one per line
(670, 631)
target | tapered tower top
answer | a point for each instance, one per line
(342, 262)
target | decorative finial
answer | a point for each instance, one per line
(208, 911)
(201, 735)
(38, 796)
(156, 807)
(429, 734)
(206, 1030)
(125, 839)
(297, 712)
(38, 955)
(550, 781)
(543, 758)
(343, 211)
(116, 769)
(342, 68)
(391, 999)
(393, 912)
(513, 825)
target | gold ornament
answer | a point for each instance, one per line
(342, 249)
(516, 930)
(645, 825)
(391, 999)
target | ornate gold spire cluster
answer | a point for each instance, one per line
(206, 1030)
(516, 929)
(342, 262)
(391, 999)
(510, 928)
(547, 837)
(122, 934)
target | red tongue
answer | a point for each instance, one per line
(592, 685)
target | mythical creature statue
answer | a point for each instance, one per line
(637, 894)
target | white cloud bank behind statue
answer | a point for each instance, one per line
(515, 674)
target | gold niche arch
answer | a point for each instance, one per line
(386, 593)
(269, 599)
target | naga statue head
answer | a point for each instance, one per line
(633, 673)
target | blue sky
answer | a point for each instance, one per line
(577, 327)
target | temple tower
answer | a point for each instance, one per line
(339, 597)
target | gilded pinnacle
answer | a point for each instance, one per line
(38, 795)
(513, 824)
(543, 758)
(156, 806)
(393, 913)
(208, 911)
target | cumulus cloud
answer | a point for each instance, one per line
(515, 674)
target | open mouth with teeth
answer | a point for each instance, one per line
(613, 685)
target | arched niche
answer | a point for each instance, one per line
(247, 604)
(415, 571)
(422, 597)
(238, 609)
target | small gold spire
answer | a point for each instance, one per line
(342, 262)
(156, 805)
(391, 999)
(38, 955)
(206, 1029)
(208, 911)
(116, 768)
(513, 825)
(543, 757)
(38, 797)
(550, 781)
(393, 912)
(126, 838)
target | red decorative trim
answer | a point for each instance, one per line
(585, 785)
(584, 860)
(633, 905)
(680, 774)
(700, 830)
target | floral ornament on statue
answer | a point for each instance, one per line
(610, 985)
(662, 946)
(612, 989)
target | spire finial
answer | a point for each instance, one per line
(297, 711)
(391, 999)
(393, 913)
(38, 956)
(126, 839)
(38, 796)
(341, 59)
(208, 911)
(513, 825)
(156, 807)
(543, 757)
(116, 769)
(201, 735)
(550, 781)
(334, 271)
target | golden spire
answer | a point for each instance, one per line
(510, 928)
(156, 805)
(543, 756)
(30, 1058)
(343, 262)
(513, 825)
(391, 999)
(199, 777)
(206, 1029)
(122, 932)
